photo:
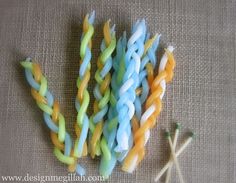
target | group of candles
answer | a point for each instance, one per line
(128, 99)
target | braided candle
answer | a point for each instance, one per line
(82, 98)
(110, 127)
(125, 103)
(102, 93)
(51, 113)
(148, 64)
(153, 108)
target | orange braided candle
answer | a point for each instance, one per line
(152, 110)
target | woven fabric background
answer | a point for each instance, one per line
(202, 95)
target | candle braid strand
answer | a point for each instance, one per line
(83, 98)
(103, 78)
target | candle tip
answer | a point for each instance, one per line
(91, 17)
(113, 28)
(26, 62)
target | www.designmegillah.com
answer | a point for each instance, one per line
(51, 178)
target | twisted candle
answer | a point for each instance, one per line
(82, 98)
(102, 93)
(125, 103)
(110, 127)
(51, 113)
(147, 66)
(153, 108)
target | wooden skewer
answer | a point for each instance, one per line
(170, 162)
(168, 175)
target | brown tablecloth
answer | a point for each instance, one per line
(202, 95)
